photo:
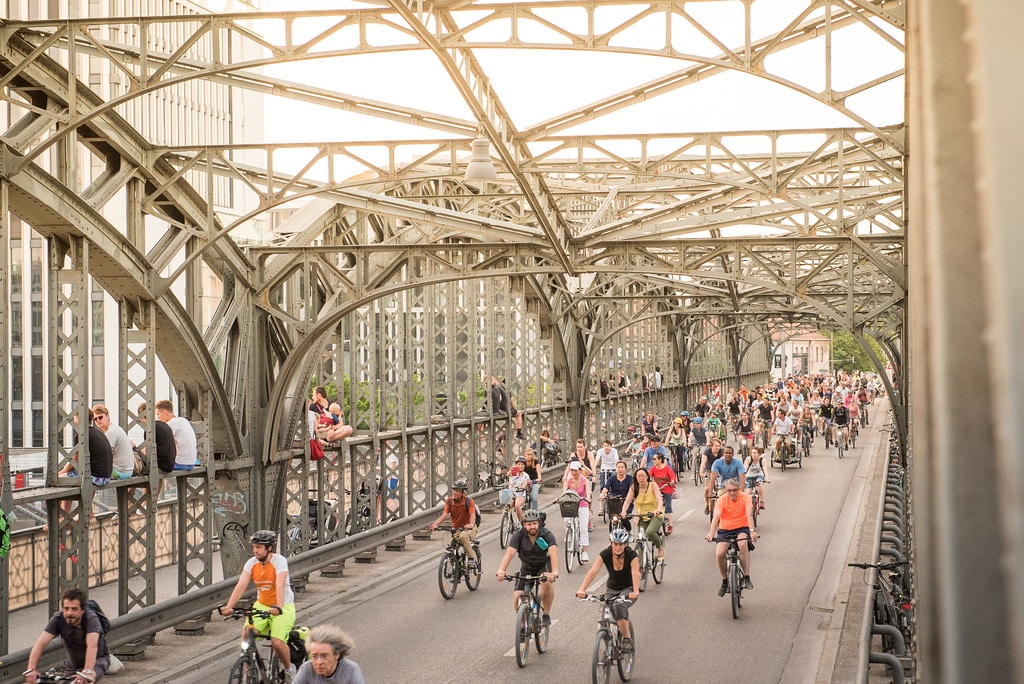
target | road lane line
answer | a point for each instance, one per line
(685, 515)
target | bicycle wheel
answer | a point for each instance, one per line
(601, 665)
(735, 584)
(507, 528)
(626, 660)
(541, 633)
(473, 576)
(570, 547)
(275, 670)
(840, 444)
(522, 634)
(447, 576)
(657, 572)
(696, 475)
(243, 672)
(757, 504)
(645, 565)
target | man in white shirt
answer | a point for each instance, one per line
(120, 444)
(184, 435)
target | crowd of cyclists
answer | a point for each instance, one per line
(639, 482)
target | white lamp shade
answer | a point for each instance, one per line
(480, 166)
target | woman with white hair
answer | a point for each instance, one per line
(328, 648)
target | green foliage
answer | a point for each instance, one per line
(846, 347)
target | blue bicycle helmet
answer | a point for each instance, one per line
(619, 536)
(684, 414)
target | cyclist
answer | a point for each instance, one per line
(647, 500)
(607, 456)
(328, 647)
(699, 439)
(783, 430)
(576, 481)
(635, 448)
(841, 421)
(520, 484)
(745, 429)
(754, 465)
(79, 629)
(825, 414)
(532, 468)
(623, 579)
(677, 439)
(733, 519)
(618, 486)
(649, 425)
(538, 554)
(665, 478)
(463, 511)
(806, 423)
(725, 468)
(707, 459)
(653, 451)
(269, 571)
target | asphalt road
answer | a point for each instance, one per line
(406, 632)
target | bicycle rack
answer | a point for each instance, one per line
(893, 540)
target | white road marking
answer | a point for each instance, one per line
(512, 651)
(685, 515)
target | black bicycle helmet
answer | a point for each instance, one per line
(461, 484)
(531, 515)
(264, 537)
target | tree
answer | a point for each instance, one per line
(846, 347)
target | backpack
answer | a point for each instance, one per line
(5, 535)
(478, 518)
(104, 620)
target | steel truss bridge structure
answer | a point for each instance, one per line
(405, 286)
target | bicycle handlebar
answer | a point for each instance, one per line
(54, 675)
(449, 528)
(239, 613)
(527, 578)
(600, 598)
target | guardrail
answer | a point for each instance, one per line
(893, 542)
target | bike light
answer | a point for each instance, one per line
(245, 645)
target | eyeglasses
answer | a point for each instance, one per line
(323, 656)
(731, 491)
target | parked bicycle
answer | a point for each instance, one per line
(608, 649)
(252, 667)
(650, 564)
(330, 529)
(891, 605)
(529, 618)
(455, 566)
(492, 474)
(569, 506)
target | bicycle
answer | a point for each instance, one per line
(492, 474)
(296, 533)
(509, 520)
(734, 573)
(251, 667)
(805, 443)
(55, 676)
(755, 498)
(853, 433)
(863, 414)
(840, 440)
(608, 643)
(455, 566)
(569, 506)
(644, 547)
(785, 457)
(529, 618)
(891, 606)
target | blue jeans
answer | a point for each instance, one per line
(535, 497)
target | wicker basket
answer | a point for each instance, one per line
(569, 504)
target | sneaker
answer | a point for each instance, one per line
(761, 505)
(520, 435)
(546, 620)
(706, 509)
(584, 556)
(627, 645)
(289, 675)
(724, 588)
(747, 584)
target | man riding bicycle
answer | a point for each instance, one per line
(623, 579)
(79, 629)
(462, 511)
(269, 571)
(733, 519)
(538, 553)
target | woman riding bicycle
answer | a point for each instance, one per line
(677, 440)
(618, 487)
(647, 500)
(623, 579)
(532, 468)
(577, 482)
(755, 473)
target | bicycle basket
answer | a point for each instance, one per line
(506, 496)
(614, 505)
(569, 504)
